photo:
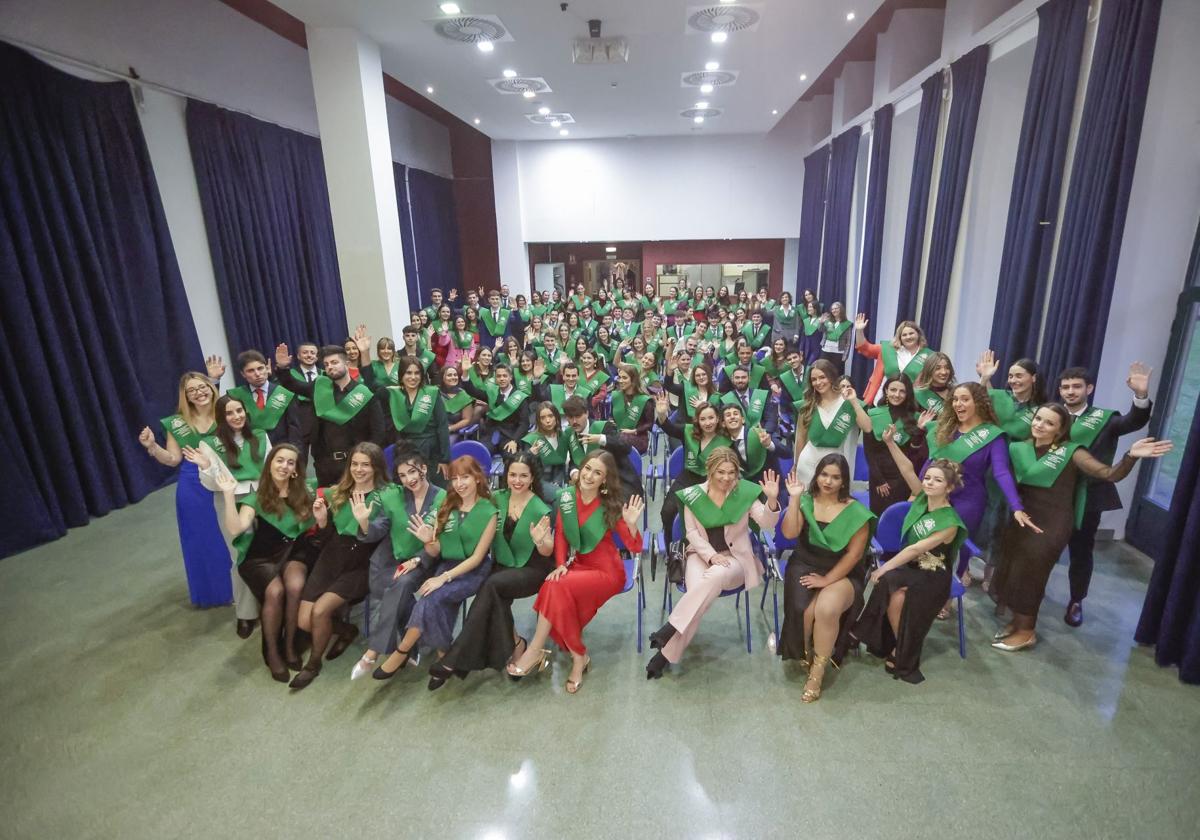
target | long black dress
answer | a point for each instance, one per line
(269, 551)
(885, 471)
(927, 579)
(809, 559)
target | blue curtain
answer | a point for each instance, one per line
(918, 197)
(266, 211)
(840, 192)
(95, 328)
(872, 257)
(429, 229)
(967, 76)
(1101, 178)
(812, 219)
(1037, 180)
(1170, 617)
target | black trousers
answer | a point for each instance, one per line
(329, 470)
(1082, 547)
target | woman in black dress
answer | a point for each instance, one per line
(899, 409)
(823, 584)
(340, 574)
(273, 558)
(912, 586)
(1047, 468)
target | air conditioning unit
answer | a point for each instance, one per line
(600, 51)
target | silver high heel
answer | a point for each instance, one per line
(361, 668)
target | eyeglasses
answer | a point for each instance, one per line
(196, 390)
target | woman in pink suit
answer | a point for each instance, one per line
(716, 517)
(459, 344)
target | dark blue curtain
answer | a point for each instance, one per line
(1170, 617)
(918, 197)
(840, 192)
(872, 257)
(266, 211)
(812, 219)
(95, 328)
(429, 228)
(967, 76)
(1098, 191)
(1037, 180)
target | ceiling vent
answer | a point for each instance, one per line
(520, 84)
(600, 51)
(471, 29)
(739, 17)
(716, 78)
(692, 113)
(547, 119)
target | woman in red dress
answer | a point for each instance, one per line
(588, 569)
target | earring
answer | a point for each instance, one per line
(603, 491)
(294, 475)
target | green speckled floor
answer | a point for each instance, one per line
(128, 714)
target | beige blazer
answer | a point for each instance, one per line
(737, 536)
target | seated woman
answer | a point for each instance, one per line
(717, 516)
(460, 406)
(912, 586)
(632, 409)
(823, 584)
(339, 576)
(273, 558)
(588, 513)
(551, 444)
(399, 564)
(700, 439)
(458, 543)
(522, 550)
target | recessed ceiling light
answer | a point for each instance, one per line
(697, 120)
(477, 121)
(510, 74)
(450, 8)
(804, 77)
(706, 88)
(849, 15)
(544, 110)
(555, 124)
(528, 94)
(610, 249)
(702, 104)
(429, 89)
(713, 65)
(562, 132)
(485, 46)
(774, 111)
(720, 37)
(728, 2)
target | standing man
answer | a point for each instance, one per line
(271, 409)
(493, 321)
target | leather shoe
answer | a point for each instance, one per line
(245, 626)
(1074, 616)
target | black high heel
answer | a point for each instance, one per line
(439, 673)
(381, 674)
(655, 667)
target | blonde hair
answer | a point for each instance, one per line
(952, 471)
(922, 342)
(719, 456)
(184, 408)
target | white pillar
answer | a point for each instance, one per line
(352, 118)
(514, 256)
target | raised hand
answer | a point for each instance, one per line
(1139, 380)
(282, 357)
(776, 389)
(632, 512)
(793, 485)
(927, 416)
(987, 365)
(146, 438)
(362, 340)
(848, 393)
(511, 447)
(889, 434)
(454, 294)
(860, 321)
(770, 485)
(763, 437)
(421, 529)
(215, 366)
(320, 511)
(541, 530)
(226, 483)
(1150, 448)
(359, 507)
(662, 402)
(197, 457)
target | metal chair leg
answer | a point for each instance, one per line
(962, 631)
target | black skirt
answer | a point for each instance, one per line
(268, 553)
(341, 568)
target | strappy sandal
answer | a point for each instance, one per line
(816, 675)
(516, 672)
(573, 686)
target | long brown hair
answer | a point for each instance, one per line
(225, 434)
(462, 465)
(610, 491)
(342, 490)
(298, 498)
(1064, 420)
(810, 394)
(635, 378)
(948, 421)
(925, 377)
(696, 433)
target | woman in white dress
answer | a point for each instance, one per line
(825, 423)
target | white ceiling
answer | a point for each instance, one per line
(642, 97)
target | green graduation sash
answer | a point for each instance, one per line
(517, 553)
(178, 428)
(287, 524)
(607, 352)
(626, 416)
(552, 456)
(580, 302)
(595, 383)
(601, 309)
(583, 539)
(833, 435)
(1087, 426)
(837, 534)
(690, 393)
(891, 360)
(558, 393)
(501, 410)
(788, 322)
(737, 504)
(247, 470)
(694, 455)
(757, 372)
(578, 450)
(793, 386)
(299, 376)
(964, 446)
(1033, 471)
(338, 412)
(881, 417)
(810, 324)
(837, 330)
(1014, 419)
(412, 420)
(928, 399)
(457, 401)
(382, 377)
(482, 384)
(757, 338)
(757, 405)
(462, 340)
(394, 501)
(921, 522)
(495, 327)
(267, 417)
(461, 534)
(343, 518)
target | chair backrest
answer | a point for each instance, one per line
(476, 450)
(389, 457)
(635, 458)
(862, 471)
(888, 532)
(675, 463)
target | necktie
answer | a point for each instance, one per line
(310, 376)
(258, 398)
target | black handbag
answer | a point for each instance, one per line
(676, 562)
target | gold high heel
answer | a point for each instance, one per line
(573, 686)
(816, 675)
(517, 672)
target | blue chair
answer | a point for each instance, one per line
(863, 497)
(862, 470)
(476, 450)
(776, 565)
(635, 458)
(389, 457)
(669, 601)
(633, 575)
(669, 472)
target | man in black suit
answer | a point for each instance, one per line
(602, 434)
(1099, 430)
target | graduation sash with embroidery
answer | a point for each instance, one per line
(1033, 471)
(456, 401)
(694, 455)
(382, 377)
(585, 538)
(833, 435)
(891, 361)
(921, 522)
(964, 446)
(286, 523)
(412, 419)
(343, 412)
(274, 407)
(395, 503)
(178, 428)
(736, 506)
(343, 518)
(757, 404)
(627, 415)
(552, 454)
(1087, 426)
(461, 534)
(494, 326)
(1014, 418)
(501, 410)
(516, 554)
(690, 392)
(928, 399)
(881, 417)
(837, 534)
(793, 385)
(837, 329)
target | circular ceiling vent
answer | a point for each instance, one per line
(692, 113)
(548, 119)
(716, 78)
(520, 84)
(470, 29)
(723, 19)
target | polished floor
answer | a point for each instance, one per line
(128, 714)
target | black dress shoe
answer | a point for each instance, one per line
(245, 626)
(1074, 616)
(304, 678)
(655, 667)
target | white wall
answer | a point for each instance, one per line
(514, 256)
(418, 140)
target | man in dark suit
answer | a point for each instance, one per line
(1098, 430)
(603, 434)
